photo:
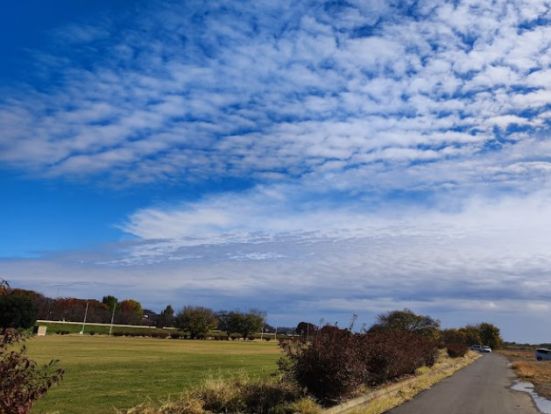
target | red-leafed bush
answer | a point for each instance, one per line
(22, 381)
(329, 366)
(457, 350)
(391, 354)
(335, 362)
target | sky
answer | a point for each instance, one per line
(313, 159)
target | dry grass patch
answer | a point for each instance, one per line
(240, 394)
(526, 367)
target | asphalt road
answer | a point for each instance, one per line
(480, 388)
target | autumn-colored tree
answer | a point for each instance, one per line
(129, 312)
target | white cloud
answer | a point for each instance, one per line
(487, 260)
(344, 84)
(334, 112)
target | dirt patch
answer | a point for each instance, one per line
(526, 367)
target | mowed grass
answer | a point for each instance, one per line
(103, 373)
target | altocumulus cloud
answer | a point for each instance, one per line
(399, 153)
(308, 89)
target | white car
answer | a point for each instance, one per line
(486, 349)
(543, 354)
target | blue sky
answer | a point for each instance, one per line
(313, 159)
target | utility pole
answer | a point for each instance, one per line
(112, 318)
(84, 322)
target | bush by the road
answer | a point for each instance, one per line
(336, 361)
(391, 354)
(330, 366)
(457, 350)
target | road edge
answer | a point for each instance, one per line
(391, 396)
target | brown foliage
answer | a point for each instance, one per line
(22, 381)
(456, 350)
(336, 361)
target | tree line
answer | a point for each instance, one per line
(20, 308)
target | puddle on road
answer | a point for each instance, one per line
(543, 404)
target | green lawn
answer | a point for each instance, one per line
(102, 372)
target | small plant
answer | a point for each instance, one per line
(22, 380)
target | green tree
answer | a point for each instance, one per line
(253, 321)
(17, 312)
(406, 320)
(196, 320)
(166, 317)
(244, 324)
(110, 301)
(306, 329)
(490, 335)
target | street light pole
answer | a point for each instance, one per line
(112, 318)
(84, 322)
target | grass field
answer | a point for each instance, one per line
(103, 373)
(526, 367)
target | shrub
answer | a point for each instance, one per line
(391, 354)
(22, 381)
(336, 362)
(329, 366)
(17, 312)
(456, 350)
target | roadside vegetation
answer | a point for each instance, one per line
(317, 367)
(527, 368)
(328, 365)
